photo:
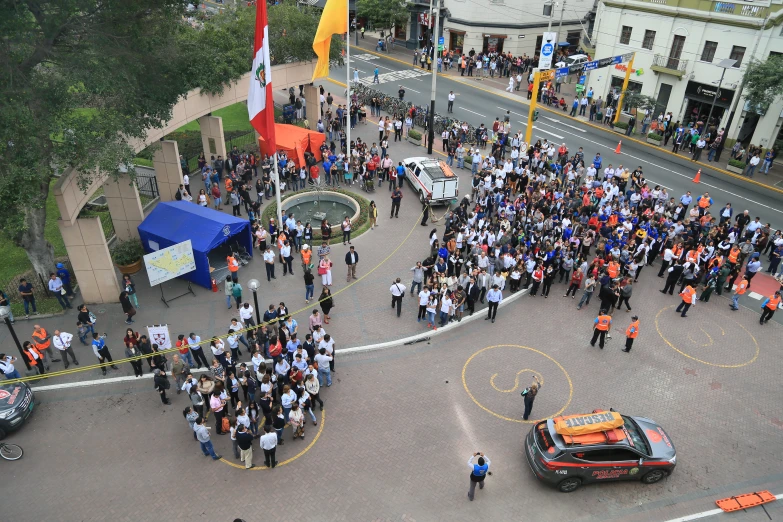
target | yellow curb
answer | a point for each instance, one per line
(701, 164)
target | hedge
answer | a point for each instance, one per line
(737, 164)
(621, 125)
(655, 137)
(413, 133)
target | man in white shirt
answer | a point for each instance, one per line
(195, 348)
(7, 367)
(269, 445)
(424, 298)
(397, 290)
(269, 263)
(246, 314)
(494, 297)
(62, 341)
(56, 287)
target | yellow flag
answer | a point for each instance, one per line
(334, 20)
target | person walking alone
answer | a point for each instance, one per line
(494, 297)
(397, 290)
(631, 332)
(601, 327)
(202, 434)
(351, 260)
(478, 472)
(162, 384)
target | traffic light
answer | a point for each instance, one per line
(535, 115)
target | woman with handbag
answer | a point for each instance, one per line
(127, 307)
(325, 271)
(326, 303)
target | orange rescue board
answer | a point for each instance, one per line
(745, 501)
(589, 423)
(446, 169)
(599, 437)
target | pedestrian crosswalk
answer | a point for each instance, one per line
(394, 76)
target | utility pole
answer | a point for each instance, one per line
(560, 26)
(551, 5)
(431, 116)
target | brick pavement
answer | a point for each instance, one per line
(400, 427)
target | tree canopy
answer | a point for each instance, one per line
(763, 82)
(80, 78)
(383, 13)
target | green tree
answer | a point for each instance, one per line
(384, 14)
(762, 82)
(80, 78)
(634, 100)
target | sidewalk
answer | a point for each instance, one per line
(497, 86)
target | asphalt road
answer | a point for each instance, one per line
(477, 104)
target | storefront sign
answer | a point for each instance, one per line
(709, 93)
(624, 68)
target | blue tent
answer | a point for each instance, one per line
(173, 222)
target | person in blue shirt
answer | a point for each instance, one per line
(597, 162)
(328, 171)
(400, 175)
(65, 277)
(478, 472)
(101, 351)
(375, 76)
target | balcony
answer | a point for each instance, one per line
(740, 8)
(671, 66)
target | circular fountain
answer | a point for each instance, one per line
(316, 205)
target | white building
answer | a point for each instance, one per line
(515, 26)
(678, 44)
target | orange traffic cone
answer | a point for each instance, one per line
(697, 177)
(619, 145)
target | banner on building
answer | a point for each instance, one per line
(548, 46)
(159, 334)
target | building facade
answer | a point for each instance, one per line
(514, 26)
(678, 44)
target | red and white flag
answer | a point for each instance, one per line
(260, 107)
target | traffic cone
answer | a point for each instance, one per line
(619, 145)
(697, 177)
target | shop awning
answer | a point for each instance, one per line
(564, 44)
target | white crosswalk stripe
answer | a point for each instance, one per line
(395, 76)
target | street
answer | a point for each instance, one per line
(476, 104)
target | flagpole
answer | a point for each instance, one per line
(348, 105)
(277, 198)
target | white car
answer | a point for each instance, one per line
(576, 59)
(432, 178)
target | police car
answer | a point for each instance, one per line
(431, 178)
(16, 404)
(569, 451)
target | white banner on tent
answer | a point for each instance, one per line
(159, 334)
(169, 262)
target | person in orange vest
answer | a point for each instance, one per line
(769, 306)
(613, 268)
(742, 287)
(631, 332)
(233, 267)
(601, 326)
(734, 254)
(704, 203)
(43, 341)
(36, 357)
(688, 295)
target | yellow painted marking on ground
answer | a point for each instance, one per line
(740, 365)
(499, 416)
(516, 380)
(288, 461)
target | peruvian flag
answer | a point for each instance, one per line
(260, 107)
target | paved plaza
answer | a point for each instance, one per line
(400, 423)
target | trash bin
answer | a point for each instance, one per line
(599, 116)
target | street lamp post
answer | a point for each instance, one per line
(431, 116)
(254, 286)
(726, 63)
(5, 315)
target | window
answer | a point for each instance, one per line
(649, 38)
(625, 35)
(609, 455)
(708, 54)
(737, 53)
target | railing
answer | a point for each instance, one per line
(755, 11)
(724, 7)
(147, 183)
(667, 62)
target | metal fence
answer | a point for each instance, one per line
(40, 285)
(243, 140)
(147, 182)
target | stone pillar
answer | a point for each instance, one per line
(313, 101)
(125, 208)
(168, 170)
(90, 259)
(212, 138)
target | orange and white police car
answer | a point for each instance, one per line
(572, 450)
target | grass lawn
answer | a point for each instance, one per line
(234, 119)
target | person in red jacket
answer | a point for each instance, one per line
(576, 282)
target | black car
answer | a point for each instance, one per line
(16, 404)
(635, 448)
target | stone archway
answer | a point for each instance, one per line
(84, 238)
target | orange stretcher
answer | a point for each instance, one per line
(584, 424)
(745, 501)
(446, 169)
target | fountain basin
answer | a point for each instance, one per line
(313, 207)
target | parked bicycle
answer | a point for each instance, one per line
(10, 451)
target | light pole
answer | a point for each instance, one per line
(560, 25)
(5, 315)
(254, 285)
(726, 63)
(431, 116)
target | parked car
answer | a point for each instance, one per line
(16, 405)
